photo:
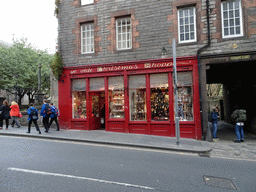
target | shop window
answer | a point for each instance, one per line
(116, 97)
(159, 96)
(97, 84)
(185, 96)
(79, 98)
(187, 25)
(123, 33)
(87, 38)
(232, 24)
(137, 96)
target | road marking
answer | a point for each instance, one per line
(76, 177)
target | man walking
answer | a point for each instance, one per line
(54, 116)
(32, 117)
(239, 117)
(45, 113)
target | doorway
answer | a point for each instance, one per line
(97, 112)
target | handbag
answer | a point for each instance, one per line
(20, 114)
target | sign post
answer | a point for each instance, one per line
(175, 80)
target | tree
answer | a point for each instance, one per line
(19, 69)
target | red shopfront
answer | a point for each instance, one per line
(131, 97)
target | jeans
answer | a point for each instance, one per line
(239, 132)
(214, 129)
(15, 120)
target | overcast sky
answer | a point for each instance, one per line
(32, 19)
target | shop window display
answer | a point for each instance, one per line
(159, 97)
(137, 96)
(185, 96)
(116, 97)
(79, 98)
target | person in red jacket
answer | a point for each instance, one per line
(15, 113)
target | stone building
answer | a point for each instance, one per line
(118, 58)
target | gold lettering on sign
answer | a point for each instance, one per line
(72, 72)
(240, 57)
(147, 65)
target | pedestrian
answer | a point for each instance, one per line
(32, 117)
(14, 113)
(45, 113)
(239, 117)
(54, 116)
(5, 114)
(214, 120)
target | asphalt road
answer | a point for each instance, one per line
(41, 165)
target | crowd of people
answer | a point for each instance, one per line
(49, 113)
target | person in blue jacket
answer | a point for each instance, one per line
(45, 114)
(32, 117)
(54, 116)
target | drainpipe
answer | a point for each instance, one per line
(202, 76)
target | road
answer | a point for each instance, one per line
(29, 164)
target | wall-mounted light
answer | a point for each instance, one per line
(164, 51)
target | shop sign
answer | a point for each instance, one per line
(242, 57)
(127, 67)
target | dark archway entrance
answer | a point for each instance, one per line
(239, 88)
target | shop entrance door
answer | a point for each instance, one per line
(95, 111)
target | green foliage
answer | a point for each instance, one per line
(57, 66)
(19, 68)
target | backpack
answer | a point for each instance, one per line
(33, 114)
(48, 110)
(56, 111)
(241, 117)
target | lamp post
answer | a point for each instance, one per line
(39, 96)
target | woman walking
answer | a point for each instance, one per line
(5, 114)
(15, 113)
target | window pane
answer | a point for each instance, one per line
(137, 96)
(186, 20)
(231, 22)
(237, 13)
(238, 30)
(78, 85)
(225, 6)
(226, 23)
(191, 28)
(181, 13)
(159, 97)
(237, 5)
(231, 14)
(185, 96)
(226, 31)
(95, 106)
(181, 21)
(192, 35)
(97, 84)
(79, 104)
(116, 97)
(186, 28)
(225, 15)
(186, 36)
(232, 31)
(182, 37)
(191, 20)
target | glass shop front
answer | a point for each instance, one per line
(132, 97)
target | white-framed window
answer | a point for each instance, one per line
(187, 25)
(86, 2)
(232, 23)
(87, 38)
(123, 33)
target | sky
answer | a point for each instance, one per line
(32, 19)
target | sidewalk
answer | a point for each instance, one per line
(113, 138)
(224, 147)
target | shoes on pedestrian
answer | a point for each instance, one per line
(242, 140)
(28, 132)
(18, 126)
(39, 132)
(6, 127)
(1, 127)
(12, 125)
(215, 137)
(237, 141)
(57, 130)
(46, 131)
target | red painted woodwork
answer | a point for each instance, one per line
(190, 129)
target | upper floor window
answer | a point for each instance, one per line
(232, 25)
(86, 2)
(187, 25)
(87, 38)
(123, 33)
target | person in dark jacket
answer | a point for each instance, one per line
(45, 116)
(32, 117)
(54, 116)
(239, 117)
(5, 114)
